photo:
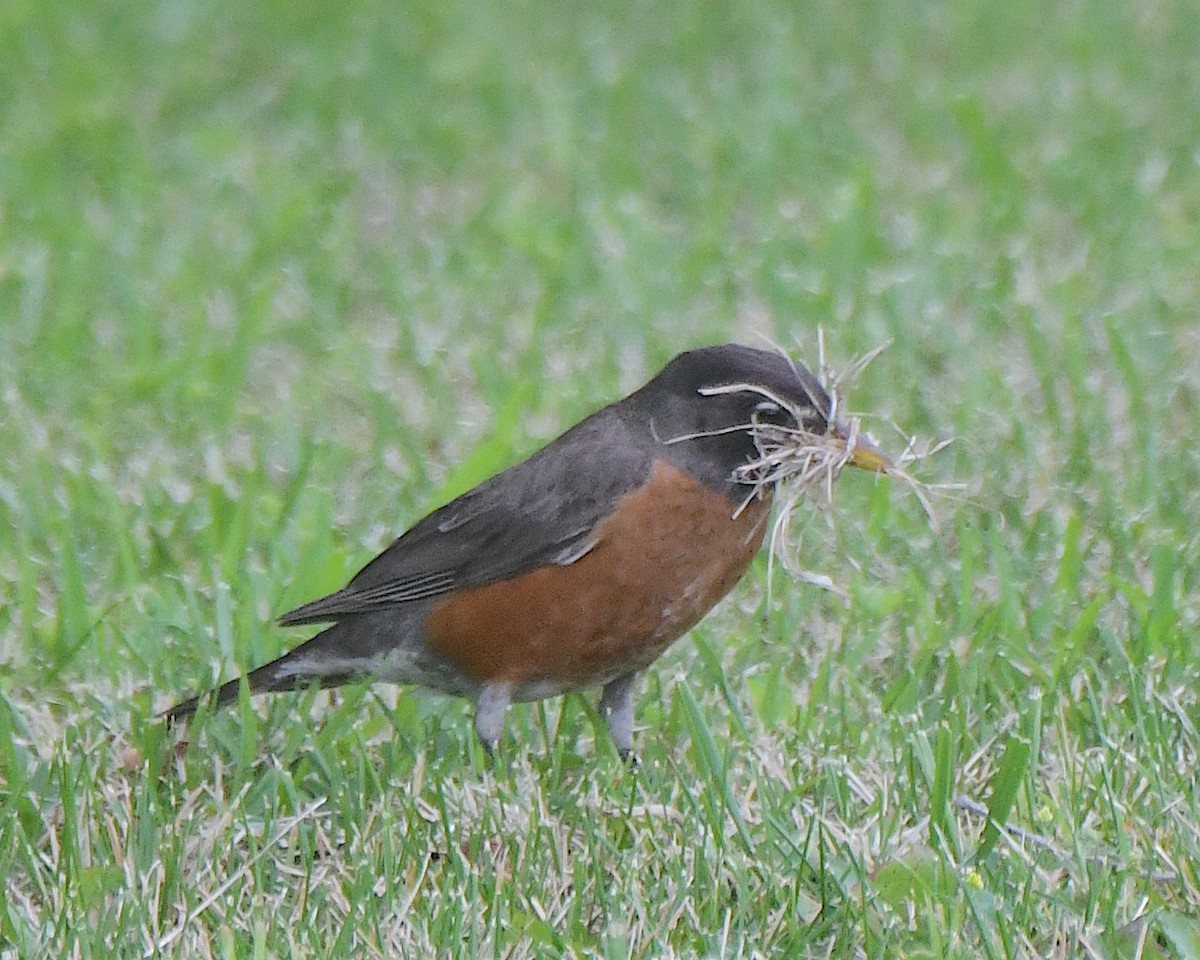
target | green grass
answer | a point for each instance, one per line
(275, 279)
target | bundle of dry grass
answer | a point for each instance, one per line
(801, 464)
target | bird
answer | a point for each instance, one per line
(577, 567)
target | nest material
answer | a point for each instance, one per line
(800, 465)
(793, 462)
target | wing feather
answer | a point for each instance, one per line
(544, 510)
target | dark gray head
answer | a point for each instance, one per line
(679, 402)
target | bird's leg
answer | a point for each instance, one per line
(490, 707)
(616, 706)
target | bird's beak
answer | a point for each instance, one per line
(864, 454)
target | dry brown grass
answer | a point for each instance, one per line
(800, 465)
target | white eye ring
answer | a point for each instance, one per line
(767, 406)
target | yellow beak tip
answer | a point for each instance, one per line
(867, 456)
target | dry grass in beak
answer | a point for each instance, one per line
(797, 462)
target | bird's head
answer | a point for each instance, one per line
(731, 406)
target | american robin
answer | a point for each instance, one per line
(577, 567)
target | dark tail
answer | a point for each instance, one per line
(297, 670)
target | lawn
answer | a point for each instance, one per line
(276, 279)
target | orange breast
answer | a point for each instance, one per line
(670, 551)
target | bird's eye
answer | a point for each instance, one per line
(815, 423)
(767, 406)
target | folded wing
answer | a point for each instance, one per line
(533, 514)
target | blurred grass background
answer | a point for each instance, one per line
(277, 279)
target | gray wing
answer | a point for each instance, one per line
(541, 511)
